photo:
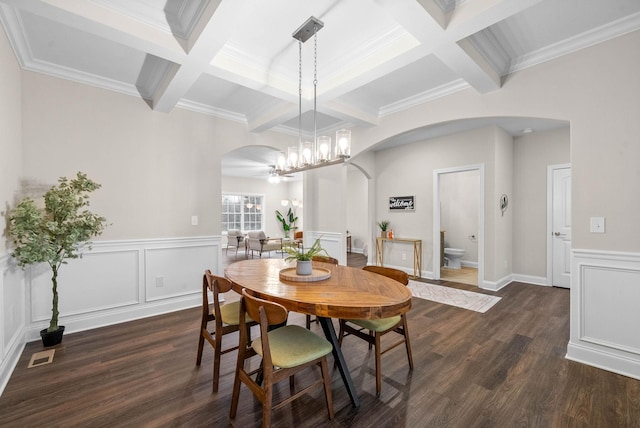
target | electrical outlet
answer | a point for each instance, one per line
(194, 220)
(404, 256)
(159, 281)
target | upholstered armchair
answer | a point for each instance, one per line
(235, 238)
(258, 241)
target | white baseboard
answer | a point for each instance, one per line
(496, 285)
(530, 279)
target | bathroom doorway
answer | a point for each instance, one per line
(459, 206)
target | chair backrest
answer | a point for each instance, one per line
(325, 259)
(297, 235)
(392, 273)
(216, 285)
(266, 313)
(256, 234)
(233, 232)
(273, 313)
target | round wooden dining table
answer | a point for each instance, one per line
(348, 293)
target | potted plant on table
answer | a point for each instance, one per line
(304, 258)
(54, 234)
(383, 225)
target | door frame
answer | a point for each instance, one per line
(550, 170)
(436, 218)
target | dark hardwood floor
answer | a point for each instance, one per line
(503, 368)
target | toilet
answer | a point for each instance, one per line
(453, 256)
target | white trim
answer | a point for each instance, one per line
(530, 279)
(436, 218)
(497, 285)
(550, 170)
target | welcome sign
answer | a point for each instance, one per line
(401, 203)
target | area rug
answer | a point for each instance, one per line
(452, 296)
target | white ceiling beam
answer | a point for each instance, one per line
(349, 113)
(212, 31)
(281, 113)
(474, 16)
(469, 64)
(423, 19)
(93, 19)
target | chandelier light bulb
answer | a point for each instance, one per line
(324, 148)
(343, 143)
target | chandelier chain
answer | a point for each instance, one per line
(299, 91)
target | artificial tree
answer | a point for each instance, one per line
(54, 234)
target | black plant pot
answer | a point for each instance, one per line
(52, 338)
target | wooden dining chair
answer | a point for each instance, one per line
(225, 318)
(380, 327)
(285, 351)
(323, 259)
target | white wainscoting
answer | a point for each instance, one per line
(605, 311)
(334, 243)
(12, 317)
(114, 282)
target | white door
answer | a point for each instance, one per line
(561, 227)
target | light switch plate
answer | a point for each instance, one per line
(597, 225)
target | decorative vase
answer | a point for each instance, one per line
(383, 234)
(303, 267)
(52, 338)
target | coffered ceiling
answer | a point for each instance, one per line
(236, 59)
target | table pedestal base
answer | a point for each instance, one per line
(330, 334)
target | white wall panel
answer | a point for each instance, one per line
(176, 271)
(99, 280)
(605, 291)
(12, 317)
(609, 303)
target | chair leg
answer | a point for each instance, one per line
(407, 342)
(327, 387)
(308, 322)
(267, 405)
(200, 348)
(217, 353)
(235, 395)
(378, 368)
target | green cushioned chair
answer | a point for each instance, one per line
(284, 350)
(225, 318)
(380, 327)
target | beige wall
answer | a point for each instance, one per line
(357, 208)
(503, 161)
(408, 170)
(156, 169)
(10, 130)
(532, 154)
(595, 89)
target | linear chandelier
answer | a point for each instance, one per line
(319, 152)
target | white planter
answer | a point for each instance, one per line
(303, 267)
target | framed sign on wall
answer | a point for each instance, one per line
(402, 203)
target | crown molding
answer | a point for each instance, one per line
(212, 111)
(583, 40)
(423, 97)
